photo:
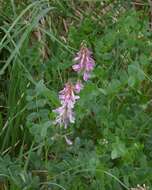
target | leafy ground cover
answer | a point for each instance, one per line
(111, 138)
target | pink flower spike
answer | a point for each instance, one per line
(65, 114)
(78, 87)
(85, 62)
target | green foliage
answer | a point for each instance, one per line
(112, 135)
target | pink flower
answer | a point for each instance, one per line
(84, 62)
(65, 111)
(86, 76)
(76, 68)
(65, 116)
(78, 87)
(67, 95)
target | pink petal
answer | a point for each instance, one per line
(59, 110)
(78, 87)
(86, 76)
(76, 68)
(77, 58)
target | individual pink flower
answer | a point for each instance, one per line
(84, 62)
(68, 100)
(86, 76)
(78, 87)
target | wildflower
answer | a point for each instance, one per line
(67, 95)
(84, 62)
(78, 87)
(68, 100)
(65, 116)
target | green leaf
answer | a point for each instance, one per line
(41, 89)
(119, 150)
(1, 121)
(131, 81)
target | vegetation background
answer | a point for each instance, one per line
(112, 136)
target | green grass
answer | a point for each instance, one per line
(112, 135)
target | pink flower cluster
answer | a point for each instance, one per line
(68, 100)
(84, 64)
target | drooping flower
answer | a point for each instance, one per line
(78, 86)
(84, 62)
(68, 100)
